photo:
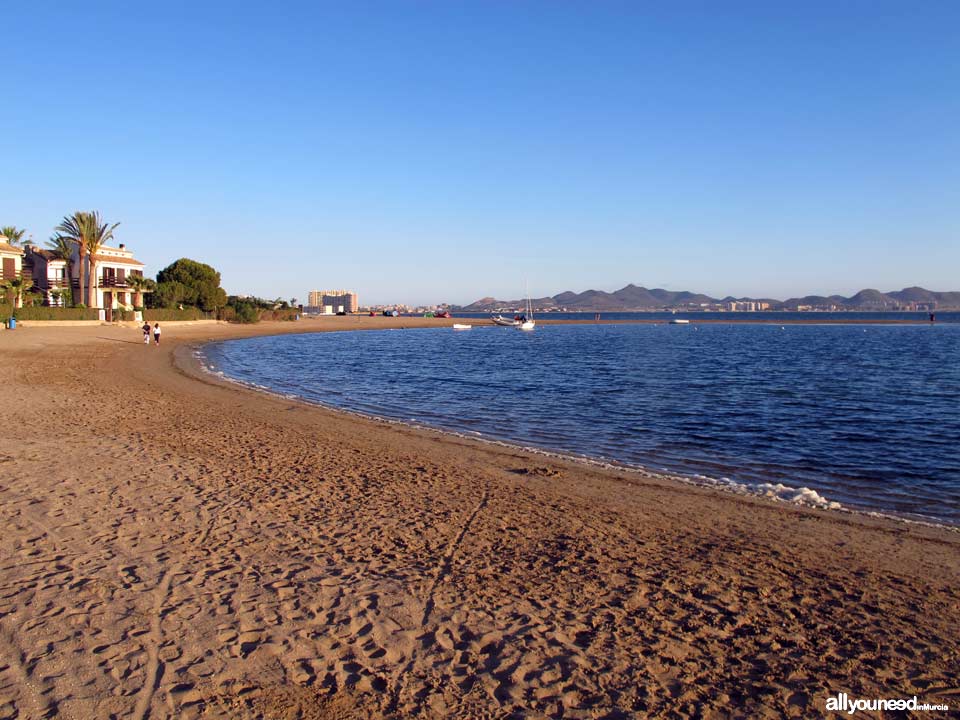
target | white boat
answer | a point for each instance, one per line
(506, 322)
(679, 322)
(458, 326)
(526, 320)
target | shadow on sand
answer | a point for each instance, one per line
(132, 342)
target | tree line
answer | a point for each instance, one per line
(182, 284)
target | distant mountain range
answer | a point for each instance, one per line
(633, 297)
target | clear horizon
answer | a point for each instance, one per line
(425, 153)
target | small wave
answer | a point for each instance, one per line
(776, 491)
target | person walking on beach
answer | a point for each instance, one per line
(146, 332)
(156, 333)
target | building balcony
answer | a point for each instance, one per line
(112, 282)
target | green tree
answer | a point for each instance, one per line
(141, 287)
(17, 291)
(58, 294)
(247, 311)
(100, 234)
(13, 235)
(171, 293)
(89, 233)
(13, 290)
(189, 282)
(73, 229)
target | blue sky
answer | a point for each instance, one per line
(441, 151)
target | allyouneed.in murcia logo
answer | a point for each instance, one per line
(845, 704)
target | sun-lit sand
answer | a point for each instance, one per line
(176, 547)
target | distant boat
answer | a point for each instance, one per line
(526, 320)
(679, 322)
(506, 322)
(458, 326)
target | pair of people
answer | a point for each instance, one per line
(146, 333)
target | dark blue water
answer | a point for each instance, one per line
(868, 416)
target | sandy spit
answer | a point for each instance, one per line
(174, 547)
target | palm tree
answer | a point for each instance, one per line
(12, 234)
(100, 234)
(141, 286)
(74, 230)
(13, 291)
(86, 230)
(7, 294)
(61, 246)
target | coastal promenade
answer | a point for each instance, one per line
(178, 547)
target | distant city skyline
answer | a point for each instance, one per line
(424, 153)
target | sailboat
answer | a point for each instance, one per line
(526, 322)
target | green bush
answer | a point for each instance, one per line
(55, 313)
(287, 314)
(246, 313)
(173, 314)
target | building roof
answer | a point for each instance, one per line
(49, 255)
(117, 260)
(6, 248)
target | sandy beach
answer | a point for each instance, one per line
(178, 547)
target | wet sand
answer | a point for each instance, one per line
(175, 547)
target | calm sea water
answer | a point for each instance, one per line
(918, 317)
(868, 416)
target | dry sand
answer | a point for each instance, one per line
(175, 547)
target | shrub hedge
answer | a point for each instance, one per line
(55, 313)
(172, 314)
(285, 315)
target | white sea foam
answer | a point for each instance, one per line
(776, 491)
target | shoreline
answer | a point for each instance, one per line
(236, 554)
(193, 364)
(777, 492)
